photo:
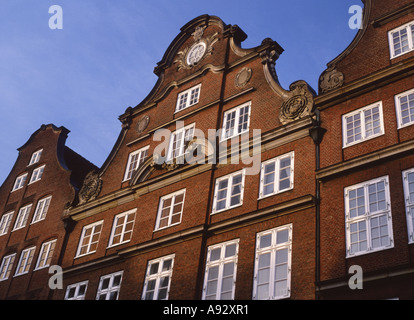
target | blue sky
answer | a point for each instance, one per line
(85, 75)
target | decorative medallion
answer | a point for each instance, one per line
(91, 187)
(201, 48)
(243, 77)
(299, 103)
(331, 79)
(142, 124)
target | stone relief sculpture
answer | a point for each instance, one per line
(90, 188)
(330, 80)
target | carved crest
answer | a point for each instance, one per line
(90, 188)
(198, 33)
(299, 103)
(331, 79)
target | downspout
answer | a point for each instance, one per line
(317, 132)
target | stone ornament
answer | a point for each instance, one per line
(194, 54)
(142, 124)
(298, 104)
(90, 188)
(243, 77)
(331, 79)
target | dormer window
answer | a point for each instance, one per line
(188, 98)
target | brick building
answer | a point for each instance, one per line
(43, 181)
(224, 185)
(366, 105)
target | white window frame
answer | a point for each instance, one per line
(5, 222)
(276, 175)
(26, 259)
(229, 178)
(169, 217)
(120, 230)
(37, 174)
(46, 254)
(20, 181)
(22, 217)
(272, 250)
(135, 159)
(6, 266)
(41, 209)
(182, 148)
(220, 263)
(76, 293)
(398, 110)
(353, 222)
(191, 96)
(409, 201)
(112, 288)
(91, 238)
(35, 157)
(408, 27)
(363, 125)
(157, 277)
(235, 128)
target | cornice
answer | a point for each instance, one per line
(383, 20)
(371, 82)
(285, 208)
(365, 160)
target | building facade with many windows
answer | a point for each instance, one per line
(223, 185)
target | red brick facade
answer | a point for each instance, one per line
(278, 224)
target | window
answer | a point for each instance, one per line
(37, 174)
(20, 181)
(368, 217)
(35, 157)
(89, 238)
(277, 175)
(135, 159)
(41, 209)
(6, 266)
(273, 264)
(46, 254)
(401, 40)
(25, 261)
(170, 210)
(188, 98)
(122, 228)
(404, 104)
(179, 141)
(5, 222)
(236, 121)
(408, 181)
(229, 191)
(158, 278)
(109, 286)
(362, 124)
(22, 217)
(220, 276)
(76, 291)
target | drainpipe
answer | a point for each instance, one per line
(317, 132)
